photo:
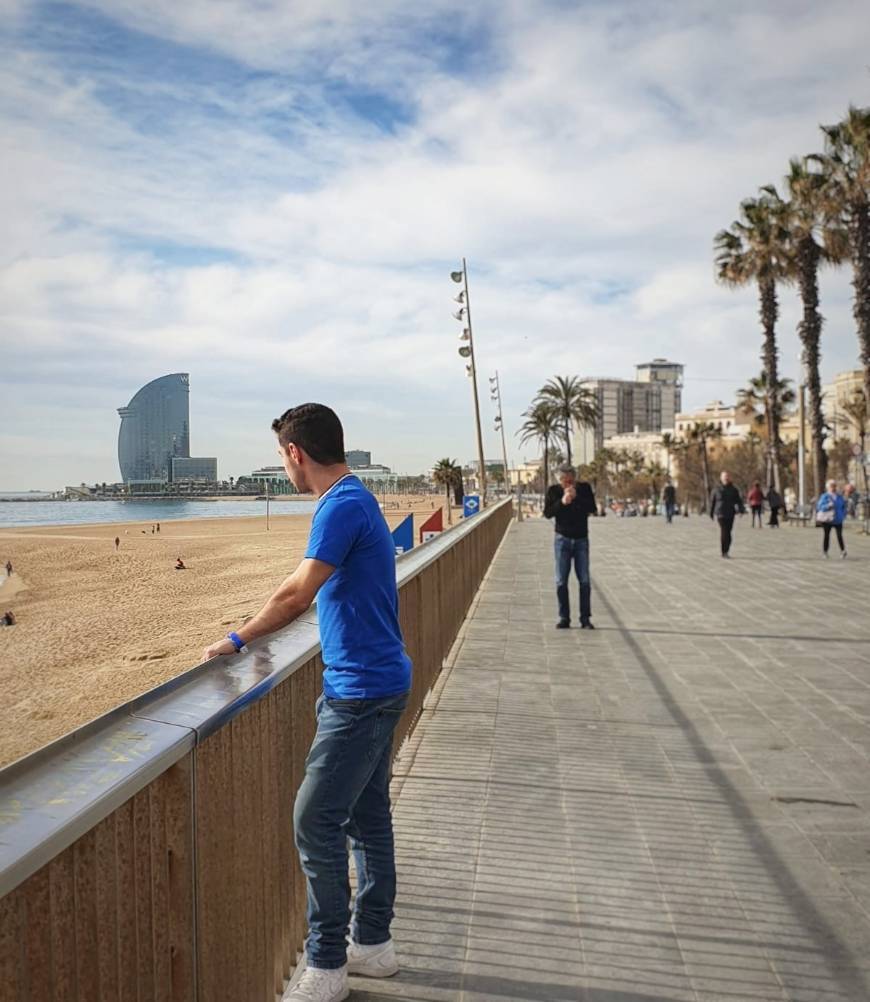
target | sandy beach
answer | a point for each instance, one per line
(96, 627)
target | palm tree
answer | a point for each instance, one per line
(656, 473)
(754, 398)
(752, 250)
(541, 425)
(699, 434)
(446, 472)
(814, 236)
(571, 403)
(669, 444)
(846, 167)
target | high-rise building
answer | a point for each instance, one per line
(155, 427)
(648, 403)
(357, 457)
(155, 433)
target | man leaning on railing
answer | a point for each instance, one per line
(350, 566)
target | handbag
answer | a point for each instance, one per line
(826, 516)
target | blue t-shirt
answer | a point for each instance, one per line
(358, 606)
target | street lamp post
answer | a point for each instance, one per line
(467, 351)
(495, 396)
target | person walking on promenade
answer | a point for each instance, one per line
(830, 514)
(669, 496)
(724, 506)
(570, 504)
(350, 565)
(755, 497)
(775, 503)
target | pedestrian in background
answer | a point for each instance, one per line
(725, 504)
(775, 503)
(830, 514)
(755, 497)
(571, 504)
(669, 496)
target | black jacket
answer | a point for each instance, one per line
(571, 519)
(726, 502)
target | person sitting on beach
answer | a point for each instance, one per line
(179, 564)
(9, 618)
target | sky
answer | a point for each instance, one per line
(271, 196)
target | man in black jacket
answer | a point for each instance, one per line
(571, 504)
(725, 504)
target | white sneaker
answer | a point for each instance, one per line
(378, 961)
(319, 985)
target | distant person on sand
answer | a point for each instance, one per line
(179, 564)
(725, 505)
(775, 503)
(350, 566)
(9, 618)
(158, 528)
(8, 568)
(117, 542)
(755, 497)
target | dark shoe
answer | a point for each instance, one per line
(563, 624)
(587, 625)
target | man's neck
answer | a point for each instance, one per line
(326, 477)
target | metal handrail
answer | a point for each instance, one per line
(51, 797)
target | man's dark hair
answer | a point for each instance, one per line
(314, 428)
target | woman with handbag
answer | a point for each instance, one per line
(830, 514)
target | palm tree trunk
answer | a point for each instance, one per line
(546, 465)
(706, 467)
(859, 238)
(568, 438)
(769, 313)
(810, 332)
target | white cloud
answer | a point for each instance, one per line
(242, 221)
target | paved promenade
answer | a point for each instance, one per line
(675, 806)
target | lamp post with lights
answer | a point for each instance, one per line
(495, 396)
(463, 314)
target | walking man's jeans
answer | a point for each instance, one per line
(756, 513)
(345, 795)
(576, 552)
(726, 524)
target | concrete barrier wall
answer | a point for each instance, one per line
(149, 855)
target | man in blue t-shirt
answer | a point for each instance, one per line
(350, 566)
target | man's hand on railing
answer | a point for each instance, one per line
(225, 646)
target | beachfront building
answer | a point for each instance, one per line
(193, 469)
(357, 458)
(647, 403)
(155, 427)
(837, 394)
(734, 422)
(155, 431)
(647, 443)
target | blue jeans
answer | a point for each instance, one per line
(346, 795)
(570, 551)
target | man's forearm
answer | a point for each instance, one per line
(277, 613)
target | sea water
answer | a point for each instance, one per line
(23, 513)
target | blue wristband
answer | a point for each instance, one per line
(236, 641)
